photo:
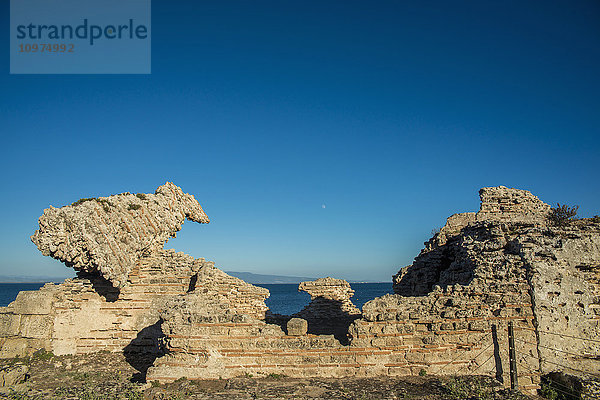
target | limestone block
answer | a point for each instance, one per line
(108, 235)
(297, 327)
(63, 347)
(504, 204)
(14, 347)
(9, 324)
(36, 326)
(330, 299)
(33, 302)
(13, 374)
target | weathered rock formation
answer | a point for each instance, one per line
(444, 260)
(109, 235)
(511, 205)
(330, 310)
(124, 277)
(330, 299)
(449, 315)
(509, 252)
(14, 374)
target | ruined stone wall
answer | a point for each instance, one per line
(458, 329)
(27, 322)
(559, 264)
(513, 205)
(124, 275)
(84, 315)
(449, 313)
(565, 279)
(454, 331)
(330, 298)
(243, 297)
(444, 334)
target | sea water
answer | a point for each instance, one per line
(286, 299)
(9, 291)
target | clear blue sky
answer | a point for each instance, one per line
(391, 114)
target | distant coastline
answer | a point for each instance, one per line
(31, 279)
(249, 277)
(265, 279)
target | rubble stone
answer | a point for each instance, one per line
(330, 298)
(11, 375)
(297, 327)
(513, 205)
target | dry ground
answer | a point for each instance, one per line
(103, 376)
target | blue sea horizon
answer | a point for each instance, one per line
(286, 299)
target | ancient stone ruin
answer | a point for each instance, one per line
(124, 275)
(175, 316)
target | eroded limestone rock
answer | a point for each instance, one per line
(330, 298)
(11, 375)
(124, 276)
(509, 249)
(297, 327)
(513, 205)
(108, 235)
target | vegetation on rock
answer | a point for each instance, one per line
(561, 215)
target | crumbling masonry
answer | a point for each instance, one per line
(177, 316)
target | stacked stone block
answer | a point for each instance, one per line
(511, 205)
(330, 299)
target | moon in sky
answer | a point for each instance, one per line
(323, 206)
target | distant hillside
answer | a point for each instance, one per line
(259, 278)
(271, 279)
(246, 276)
(31, 279)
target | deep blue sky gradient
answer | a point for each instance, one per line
(391, 114)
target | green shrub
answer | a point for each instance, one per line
(422, 372)
(556, 386)
(596, 219)
(134, 206)
(132, 393)
(548, 392)
(105, 204)
(467, 388)
(83, 200)
(141, 196)
(42, 355)
(562, 215)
